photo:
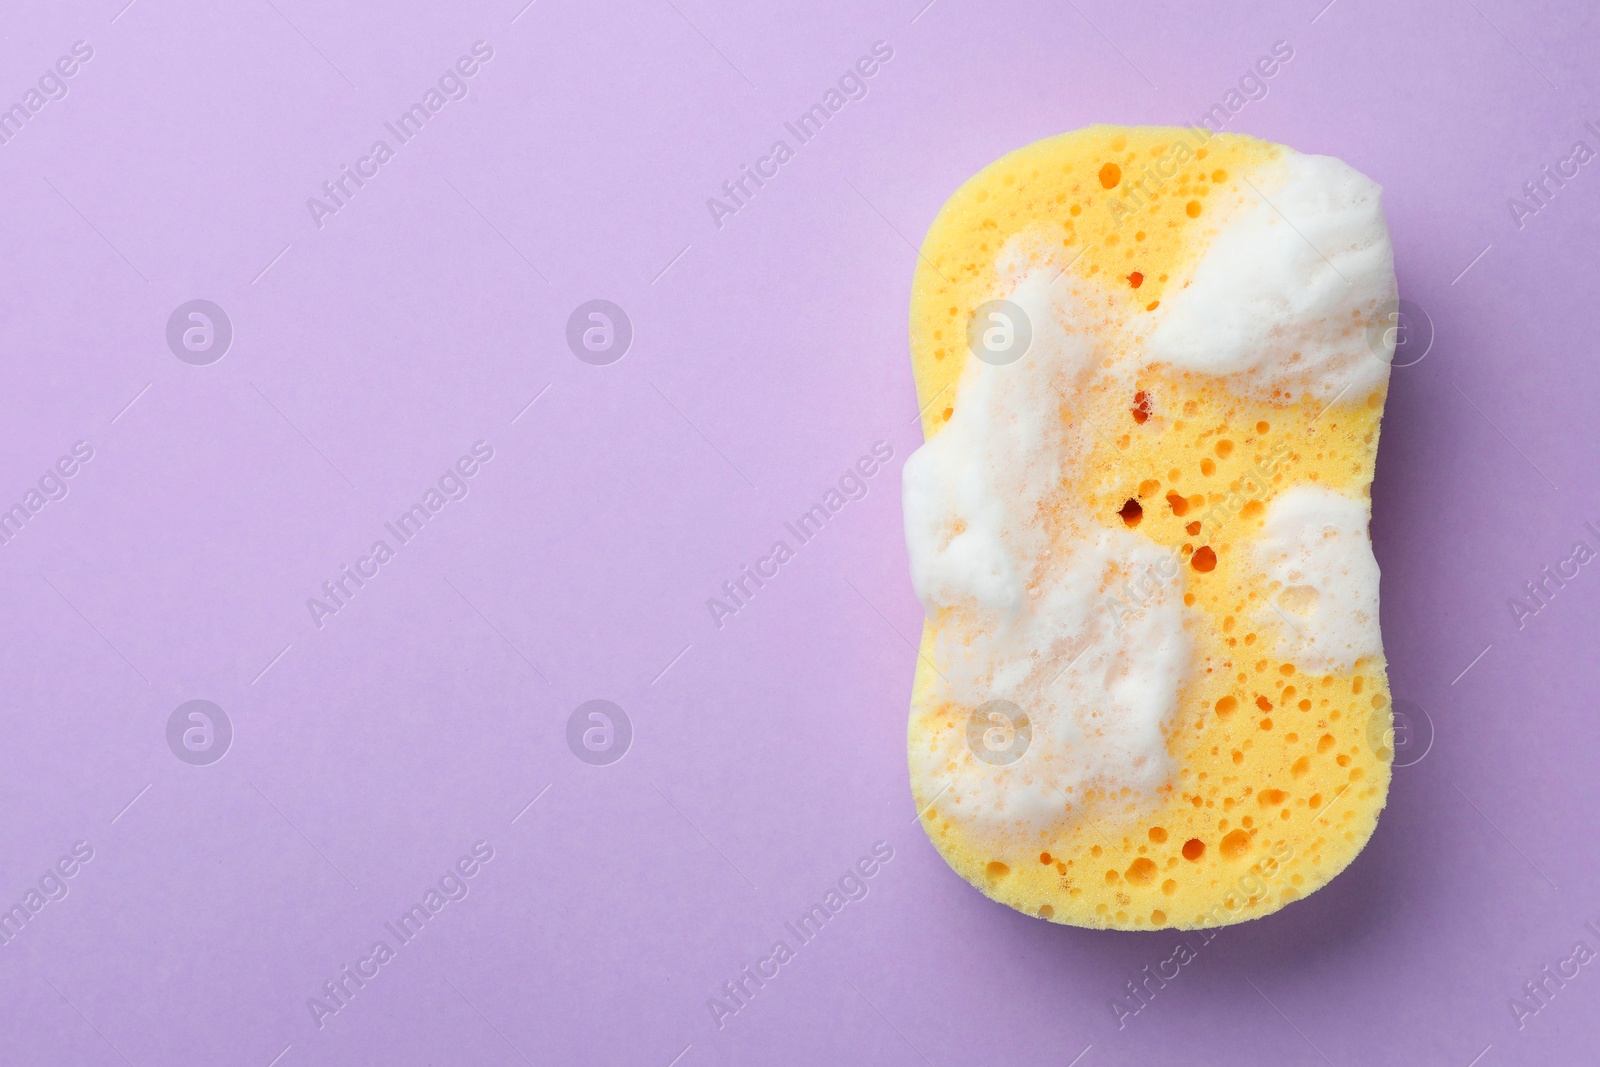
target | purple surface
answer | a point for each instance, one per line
(371, 753)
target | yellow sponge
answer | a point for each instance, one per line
(1151, 691)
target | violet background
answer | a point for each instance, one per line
(769, 354)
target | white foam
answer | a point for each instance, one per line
(1323, 578)
(972, 491)
(1080, 626)
(1098, 683)
(1283, 297)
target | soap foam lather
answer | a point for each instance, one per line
(1025, 588)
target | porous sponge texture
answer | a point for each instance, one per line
(1280, 774)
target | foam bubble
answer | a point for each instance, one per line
(1281, 299)
(1080, 626)
(972, 492)
(1324, 578)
